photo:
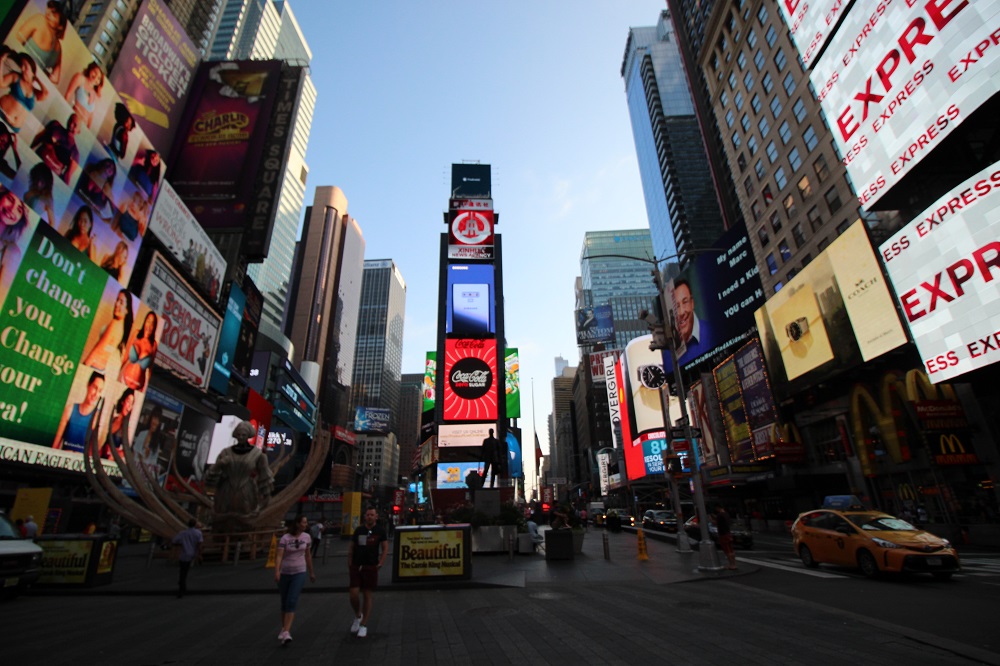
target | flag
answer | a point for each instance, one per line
(538, 455)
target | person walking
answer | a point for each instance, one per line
(190, 542)
(723, 527)
(316, 533)
(30, 528)
(293, 561)
(365, 557)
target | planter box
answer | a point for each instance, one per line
(492, 538)
(559, 545)
(524, 544)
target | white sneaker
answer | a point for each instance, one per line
(281, 635)
(288, 638)
(362, 631)
(355, 626)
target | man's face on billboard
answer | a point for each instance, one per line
(684, 311)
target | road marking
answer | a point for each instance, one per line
(773, 565)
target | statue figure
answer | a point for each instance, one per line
(242, 483)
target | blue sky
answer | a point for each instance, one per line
(533, 88)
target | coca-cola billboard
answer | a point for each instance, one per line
(470, 386)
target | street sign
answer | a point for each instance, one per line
(681, 433)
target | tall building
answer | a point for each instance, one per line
(681, 204)
(258, 29)
(325, 298)
(378, 353)
(411, 404)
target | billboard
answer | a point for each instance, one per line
(228, 337)
(611, 382)
(734, 417)
(471, 181)
(811, 24)
(190, 326)
(156, 433)
(896, 80)
(153, 72)
(372, 420)
(595, 324)
(839, 296)
(470, 385)
(194, 441)
(184, 238)
(471, 301)
(467, 434)
(470, 233)
(452, 474)
(512, 383)
(644, 435)
(430, 379)
(941, 266)
(243, 356)
(515, 466)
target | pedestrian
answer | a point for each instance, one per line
(365, 556)
(316, 533)
(584, 518)
(30, 528)
(19, 524)
(294, 560)
(724, 530)
(190, 542)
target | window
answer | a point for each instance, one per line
(805, 189)
(745, 122)
(762, 235)
(99, 49)
(799, 109)
(741, 61)
(748, 186)
(723, 45)
(730, 22)
(738, 100)
(772, 264)
(775, 222)
(105, 37)
(724, 98)
(768, 196)
(842, 227)
(823, 242)
(798, 235)
(748, 81)
(772, 152)
(777, 286)
(752, 144)
(755, 104)
(730, 118)
(736, 139)
(791, 273)
(732, 80)
(786, 252)
(762, 15)
(741, 160)
(770, 36)
(809, 137)
(763, 127)
(785, 132)
(850, 183)
(779, 59)
(775, 107)
(780, 178)
(110, 26)
(117, 16)
(832, 199)
(836, 150)
(84, 31)
(789, 84)
(789, 204)
(814, 219)
(767, 83)
(759, 169)
(822, 171)
(758, 60)
(752, 38)
(794, 160)
(755, 209)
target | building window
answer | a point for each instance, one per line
(832, 200)
(823, 242)
(745, 122)
(110, 27)
(762, 15)
(798, 235)
(732, 80)
(809, 137)
(99, 49)
(770, 36)
(779, 60)
(775, 107)
(741, 160)
(799, 109)
(789, 84)
(806, 258)
(791, 274)
(836, 150)
(748, 186)
(814, 219)
(794, 160)
(768, 196)
(764, 238)
(772, 152)
(821, 169)
(736, 139)
(789, 204)
(850, 183)
(763, 127)
(759, 169)
(117, 16)
(784, 132)
(741, 61)
(730, 118)
(752, 38)
(748, 81)
(755, 209)
(777, 286)
(842, 227)
(755, 104)
(738, 100)
(785, 251)
(758, 60)
(775, 222)
(805, 189)
(105, 37)
(724, 98)
(752, 144)
(780, 179)
(772, 264)
(767, 83)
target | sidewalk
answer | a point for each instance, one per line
(664, 565)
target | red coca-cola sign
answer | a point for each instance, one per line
(470, 388)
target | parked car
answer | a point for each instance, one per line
(659, 519)
(742, 537)
(20, 559)
(619, 517)
(872, 541)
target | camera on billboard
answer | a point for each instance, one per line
(796, 329)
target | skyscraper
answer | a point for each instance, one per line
(258, 29)
(681, 204)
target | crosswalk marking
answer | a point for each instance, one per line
(799, 569)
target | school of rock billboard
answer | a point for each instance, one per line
(944, 267)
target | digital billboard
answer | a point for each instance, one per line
(512, 383)
(228, 337)
(470, 381)
(467, 434)
(430, 379)
(471, 301)
(452, 474)
(811, 24)
(899, 77)
(734, 417)
(372, 420)
(471, 181)
(758, 402)
(244, 353)
(515, 465)
(597, 363)
(595, 324)
(194, 441)
(470, 233)
(941, 266)
(836, 313)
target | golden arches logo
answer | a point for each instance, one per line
(906, 492)
(951, 443)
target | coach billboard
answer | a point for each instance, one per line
(470, 380)
(899, 77)
(944, 267)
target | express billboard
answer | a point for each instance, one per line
(898, 77)
(595, 324)
(470, 380)
(839, 296)
(811, 24)
(471, 304)
(941, 266)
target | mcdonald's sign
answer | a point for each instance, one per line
(906, 492)
(952, 451)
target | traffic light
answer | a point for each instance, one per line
(395, 509)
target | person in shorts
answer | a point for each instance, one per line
(365, 556)
(724, 530)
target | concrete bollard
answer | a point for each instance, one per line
(236, 558)
(510, 546)
(607, 547)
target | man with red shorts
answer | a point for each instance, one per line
(724, 530)
(365, 556)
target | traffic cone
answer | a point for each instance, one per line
(643, 556)
(272, 553)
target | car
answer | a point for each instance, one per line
(871, 541)
(20, 559)
(619, 518)
(742, 537)
(659, 519)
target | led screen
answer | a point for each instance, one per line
(452, 474)
(471, 304)
(470, 381)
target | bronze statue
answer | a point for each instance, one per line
(242, 481)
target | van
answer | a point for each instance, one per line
(595, 512)
(20, 559)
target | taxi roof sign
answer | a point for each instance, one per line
(843, 502)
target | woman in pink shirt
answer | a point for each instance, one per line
(294, 560)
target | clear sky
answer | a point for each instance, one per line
(531, 87)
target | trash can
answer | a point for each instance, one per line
(559, 545)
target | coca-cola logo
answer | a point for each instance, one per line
(470, 378)
(470, 344)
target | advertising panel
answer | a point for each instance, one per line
(614, 406)
(470, 386)
(222, 436)
(471, 301)
(642, 425)
(153, 72)
(943, 267)
(156, 434)
(512, 383)
(194, 441)
(452, 474)
(701, 415)
(190, 327)
(293, 399)
(430, 379)
(65, 561)
(470, 434)
(757, 398)
(261, 412)
(470, 181)
(603, 460)
(811, 24)
(243, 357)
(597, 363)
(841, 295)
(595, 324)
(899, 77)
(372, 420)
(184, 238)
(228, 337)
(515, 468)
(431, 553)
(470, 234)
(727, 383)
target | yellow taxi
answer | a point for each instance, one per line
(875, 542)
